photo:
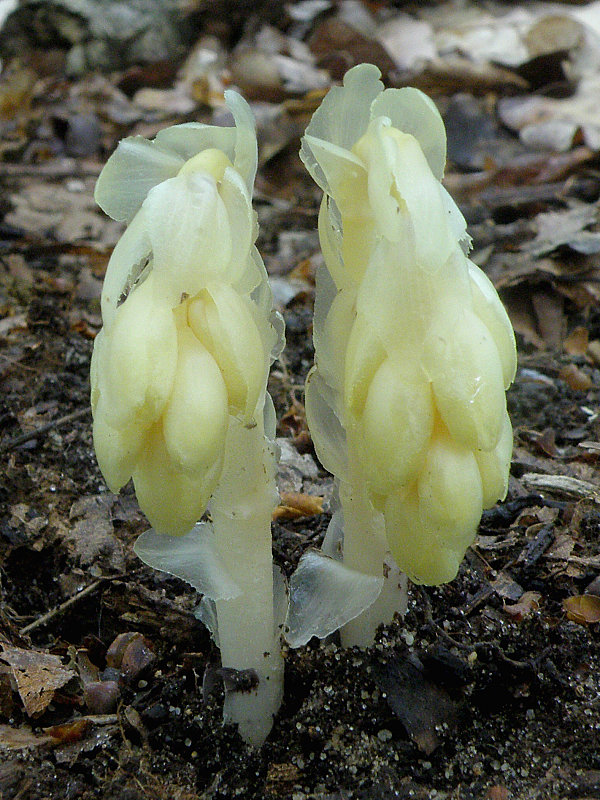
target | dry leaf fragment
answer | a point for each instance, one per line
(594, 351)
(22, 738)
(69, 732)
(296, 504)
(577, 342)
(424, 707)
(575, 378)
(562, 485)
(528, 603)
(583, 609)
(37, 676)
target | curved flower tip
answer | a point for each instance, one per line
(345, 114)
(246, 149)
(137, 165)
(132, 170)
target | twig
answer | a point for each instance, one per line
(54, 612)
(55, 423)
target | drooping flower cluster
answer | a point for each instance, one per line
(186, 307)
(413, 347)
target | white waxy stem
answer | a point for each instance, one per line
(241, 509)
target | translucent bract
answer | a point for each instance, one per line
(414, 349)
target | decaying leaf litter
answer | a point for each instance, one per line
(489, 686)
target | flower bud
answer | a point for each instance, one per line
(462, 362)
(195, 420)
(394, 452)
(222, 320)
(416, 386)
(172, 499)
(139, 363)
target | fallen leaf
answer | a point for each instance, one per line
(497, 793)
(577, 342)
(423, 707)
(296, 504)
(546, 441)
(339, 46)
(407, 40)
(506, 587)
(22, 738)
(583, 609)
(37, 676)
(594, 350)
(566, 228)
(69, 732)
(548, 122)
(92, 533)
(575, 378)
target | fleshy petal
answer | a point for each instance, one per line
(222, 320)
(396, 426)
(246, 150)
(344, 174)
(328, 433)
(488, 307)
(127, 261)
(449, 486)
(494, 467)
(117, 449)
(190, 138)
(172, 501)
(190, 235)
(140, 360)
(364, 355)
(427, 552)
(196, 419)
(412, 111)
(241, 217)
(463, 364)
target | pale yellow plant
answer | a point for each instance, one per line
(179, 376)
(413, 348)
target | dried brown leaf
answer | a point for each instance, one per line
(583, 609)
(69, 732)
(296, 504)
(528, 603)
(577, 342)
(575, 378)
(37, 676)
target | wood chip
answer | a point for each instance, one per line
(562, 485)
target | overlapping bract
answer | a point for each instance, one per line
(186, 306)
(414, 349)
